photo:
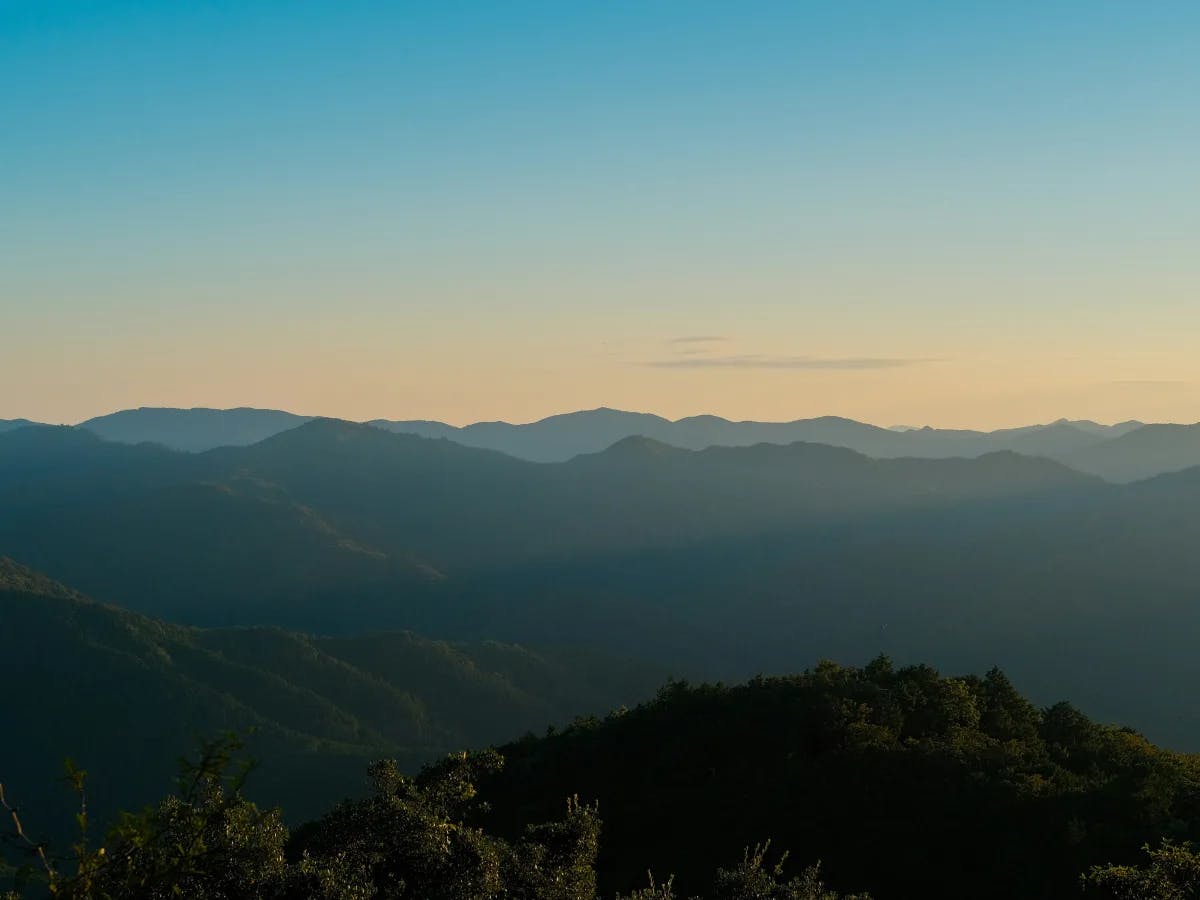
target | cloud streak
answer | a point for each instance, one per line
(698, 339)
(758, 361)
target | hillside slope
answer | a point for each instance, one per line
(1141, 453)
(901, 781)
(12, 424)
(92, 681)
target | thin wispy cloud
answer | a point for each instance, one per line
(759, 361)
(698, 339)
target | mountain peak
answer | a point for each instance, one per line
(638, 446)
(193, 430)
(328, 432)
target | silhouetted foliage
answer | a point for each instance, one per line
(410, 839)
(886, 774)
(1171, 873)
(902, 781)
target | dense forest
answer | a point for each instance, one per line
(898, 782)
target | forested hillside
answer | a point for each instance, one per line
(104, 686)
(898, 780)
(902, 781)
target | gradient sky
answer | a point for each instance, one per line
(961, 214)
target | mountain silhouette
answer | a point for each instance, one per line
(192, 429)
(1140, 453)
(1082, 444)
(560, 437)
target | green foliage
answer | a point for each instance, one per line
(206, 841)
(887, 774)
(961, 774)
(410, 839)
(414, 839)
(756, 879)
(1171, 873)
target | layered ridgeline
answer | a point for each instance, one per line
(1087, 446)
(558, 438)
(899, 780)
(125, 695)
(273, 531)
(713, 563)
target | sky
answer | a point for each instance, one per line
(960, 214)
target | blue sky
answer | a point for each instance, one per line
(956, 213)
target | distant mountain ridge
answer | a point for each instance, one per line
(192, 430)
(562, 437)
(1082, 444)
(1140, 453)
(276, 531)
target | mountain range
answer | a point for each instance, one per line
(1123, 452)
(276, 531)
(714, 563)
(338, 592)
(561, 437)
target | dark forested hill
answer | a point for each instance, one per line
(126, 695)
(897, 779)
(172, 534)
(901, 781)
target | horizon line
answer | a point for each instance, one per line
(896, 427)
